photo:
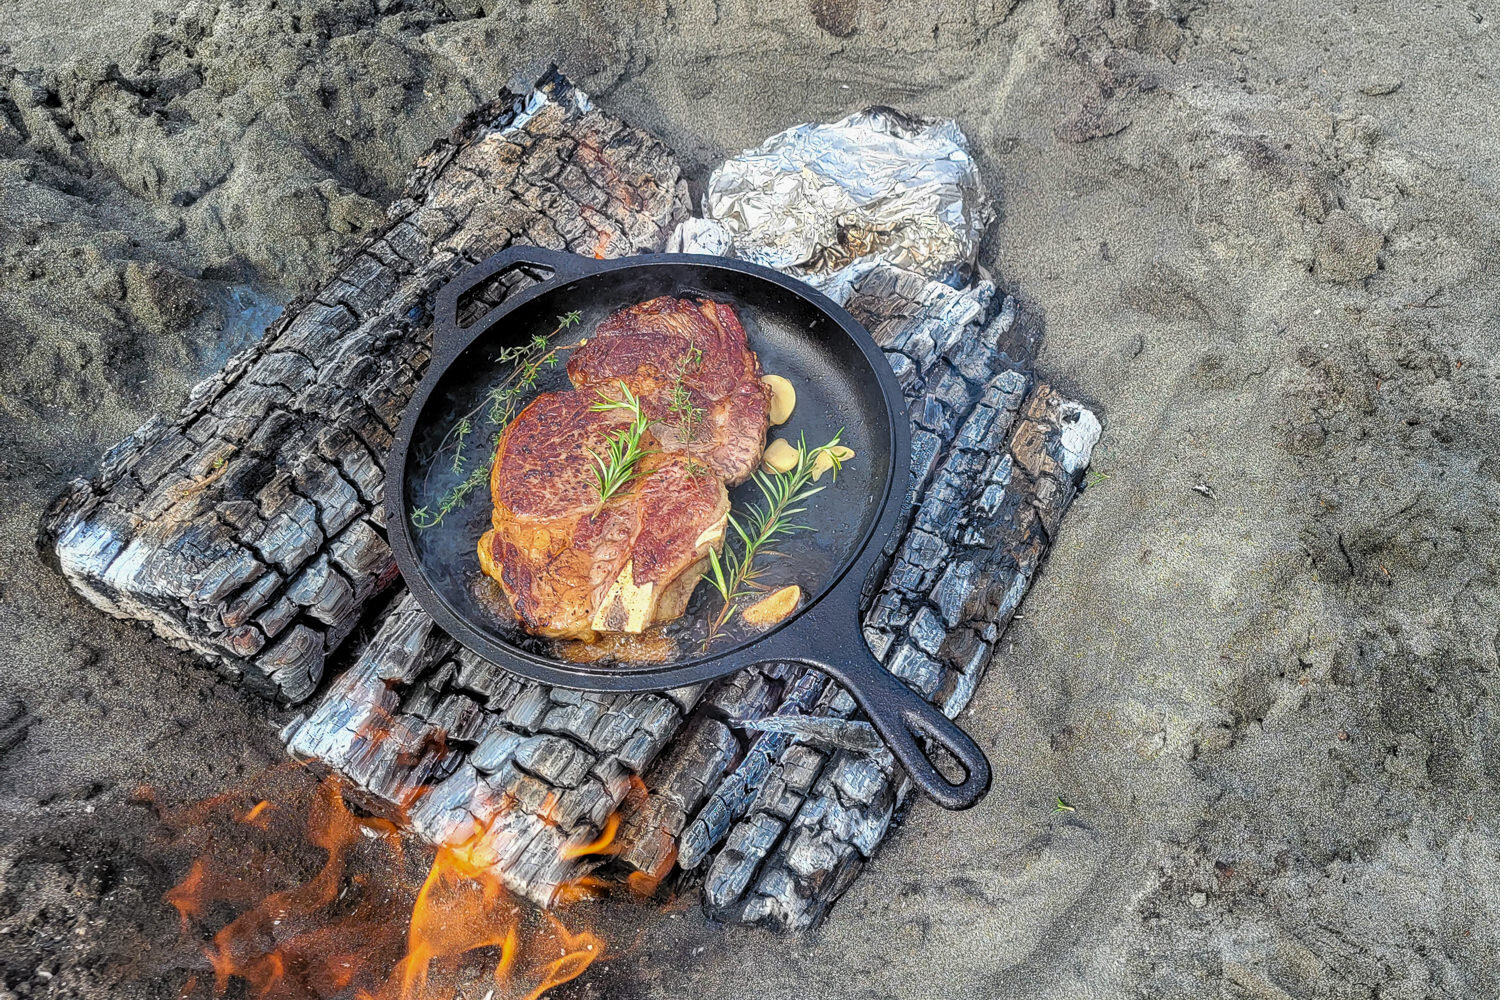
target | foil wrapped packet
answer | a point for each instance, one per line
(828, 202)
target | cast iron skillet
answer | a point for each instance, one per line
(843, 384)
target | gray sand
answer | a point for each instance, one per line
(1259, 663)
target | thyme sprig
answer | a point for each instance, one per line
(680, 400)
(736, 574)
(618, 467)
(424, 518)
(502, 402)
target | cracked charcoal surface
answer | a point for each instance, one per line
(830, 820)
(1255, 236)
(235, 530)
(541, 769)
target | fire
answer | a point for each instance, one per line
(354, 921)
(578, 953)
(462, 906)
(238, 948)
(645, 884)
(187, 896)
(599, 846)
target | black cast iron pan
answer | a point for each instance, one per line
(843, 385)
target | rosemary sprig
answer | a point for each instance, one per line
(736, 574)
(623, 451)
(503, 400)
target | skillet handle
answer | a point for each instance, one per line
(448, 337)
(900, 715)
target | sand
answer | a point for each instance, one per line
(1259, 665)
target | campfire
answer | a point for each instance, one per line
(252, 529)
(366, 923)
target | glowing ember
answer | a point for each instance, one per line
(257, 814)
(645, 884)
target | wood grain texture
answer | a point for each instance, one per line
(249, 528)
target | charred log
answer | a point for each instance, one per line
(248, 528)
(433, 737)
(819, 809)
(784, 812)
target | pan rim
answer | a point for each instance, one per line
(863, 556)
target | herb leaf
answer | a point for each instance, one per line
(680, 399)
(736, 574)
(503, 401)
(423, 517)
(623, 450)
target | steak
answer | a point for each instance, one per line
(694, 346)
(573, 567)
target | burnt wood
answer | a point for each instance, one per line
(788, 829)
(776, 823)
(250, 527)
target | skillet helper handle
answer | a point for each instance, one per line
(448, 337)
(901, 715)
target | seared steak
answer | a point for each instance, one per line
(573, 567)
(697, 346)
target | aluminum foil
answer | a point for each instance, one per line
(828, 202)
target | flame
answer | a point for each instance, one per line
(353, 920)
(458, 909)
(599, 846)
(645, 884)
(579, 951)
(187, 897)
(584, 887)
(236, 949)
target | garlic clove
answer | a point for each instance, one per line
(783, 398)
(779, 456)
(824, 461)
(774, 607)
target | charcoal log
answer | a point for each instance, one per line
(538, 776)
(435, 738)
(978, 539)
(249, 528)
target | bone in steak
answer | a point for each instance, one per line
(571, 567)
